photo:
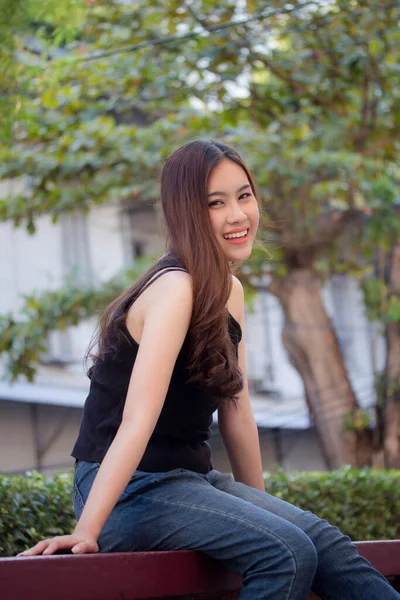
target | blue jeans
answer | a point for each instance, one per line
(280, 550)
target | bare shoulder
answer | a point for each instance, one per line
(168, 299)
(236, 300)
(174, 287)
(237, 286)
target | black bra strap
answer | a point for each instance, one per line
(161, 272)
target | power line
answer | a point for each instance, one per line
(206, 29)
(266, 14)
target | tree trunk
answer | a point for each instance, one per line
(392, 405)
(313, 349)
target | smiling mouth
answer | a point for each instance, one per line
(239, 239)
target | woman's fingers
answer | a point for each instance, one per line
(64, 542)
(85, 548)
(55, 544)
(37, 549)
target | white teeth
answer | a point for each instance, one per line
(235, 235)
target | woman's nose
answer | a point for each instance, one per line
(236, 215)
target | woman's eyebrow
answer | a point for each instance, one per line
(243, 187)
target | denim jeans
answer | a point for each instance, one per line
(280, 550)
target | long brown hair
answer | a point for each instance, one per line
(190, 244)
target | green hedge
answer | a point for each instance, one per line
(364, 504)
(33, 507)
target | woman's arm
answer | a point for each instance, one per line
(166, 322)
(236, 422)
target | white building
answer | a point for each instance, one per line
(39, 422)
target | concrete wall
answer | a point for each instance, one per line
(27, 263)
(289, 449)
(26, 430)
(18, 441)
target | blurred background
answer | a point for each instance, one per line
(94, 95)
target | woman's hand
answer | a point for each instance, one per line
(76, 543)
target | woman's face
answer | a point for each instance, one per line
(233, 209)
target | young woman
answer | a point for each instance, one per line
(171, 352)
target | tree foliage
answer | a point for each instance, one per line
(23, 341)
(308, 92)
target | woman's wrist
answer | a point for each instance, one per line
(87, 532)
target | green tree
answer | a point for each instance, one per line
(308, 92)
(382, 298)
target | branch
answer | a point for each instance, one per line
(327, 228)
(195, 16)
(362, 133)
(266, 14)
(380, 145)
(329, 51)
(294, 85)
(266, 108)
(23, 342)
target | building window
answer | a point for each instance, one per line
(137, 249)
(141, 231)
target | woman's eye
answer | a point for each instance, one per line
(241, 197)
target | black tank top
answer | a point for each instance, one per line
(179, 439)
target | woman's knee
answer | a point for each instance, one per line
(327, 538)
(304, 553)
(293, 554)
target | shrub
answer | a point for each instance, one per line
(364, 504)
(33, 507)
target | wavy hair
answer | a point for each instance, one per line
(190, 244)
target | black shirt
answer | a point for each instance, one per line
(179, 439)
